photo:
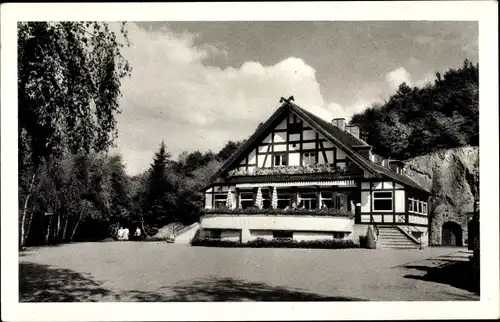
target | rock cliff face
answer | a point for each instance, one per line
(453, 178)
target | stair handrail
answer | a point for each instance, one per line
(372, 220)
(408, 225)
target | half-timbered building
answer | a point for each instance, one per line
(302, 177)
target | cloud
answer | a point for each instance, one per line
(398, 76)
(174, 96)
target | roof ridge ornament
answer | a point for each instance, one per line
(291, 98)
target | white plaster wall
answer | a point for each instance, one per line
(329, 156)
(388, 218)
(279, 147)
(400, 200)
(310, 145)
(308, 135)
(280, 137)
(208, 200)
(294, 159)
(294, 223)
(321, 159)
(282, 125)
(341, 154)
(294, 137)
(311, 236)
(251, 157)
(365, 201)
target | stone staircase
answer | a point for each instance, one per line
(392, 237)
(185, 235)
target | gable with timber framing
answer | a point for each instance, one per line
(291, 141)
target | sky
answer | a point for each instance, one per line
(197, 85)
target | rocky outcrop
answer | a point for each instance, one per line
(453, 178)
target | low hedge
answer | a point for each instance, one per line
(277, 243)
(281, 212)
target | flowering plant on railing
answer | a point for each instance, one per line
(281, 212)
(315, 168)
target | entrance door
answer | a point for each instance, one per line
(451, 234)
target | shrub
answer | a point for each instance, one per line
(212, 242)
(277, 243)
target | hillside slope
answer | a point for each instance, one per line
(453, 177)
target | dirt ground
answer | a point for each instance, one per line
(157, 271)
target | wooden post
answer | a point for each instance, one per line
(237, 193)
(318, 198)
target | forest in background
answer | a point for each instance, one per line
(70, 189)
(415, 121)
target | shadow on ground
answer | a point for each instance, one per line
(42, 283)
(451, 270)
(228, 289)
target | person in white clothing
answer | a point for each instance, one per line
(125, 234)
(120, 233)
(137, 234)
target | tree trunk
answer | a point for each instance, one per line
(47, 235)
(142, 225)
(63, 238)
(29, 224)
(57, 234)
(74, 229)
(25, 210)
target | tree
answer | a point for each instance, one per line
(160, 195)
(229, 149)
(69, 76)
(120, 195)
(415, 121)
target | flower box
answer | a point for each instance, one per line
(280, 212)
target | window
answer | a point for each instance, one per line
(282, 234)
(280, 160)
(308, 200)
(246, 200)
(283, 200)
(338, 235)
(417, 206)
(340, 201)
(266, 199)
(326, 199)
(214, 233)
(309, 158)
(220, 200)
(382, 201)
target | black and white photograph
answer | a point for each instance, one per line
(222, 155)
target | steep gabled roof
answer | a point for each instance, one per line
(344, 137)
(401, 178)
(347, 142)
(248, 143)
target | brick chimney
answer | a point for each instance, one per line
(340, 123)
(354, 130)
